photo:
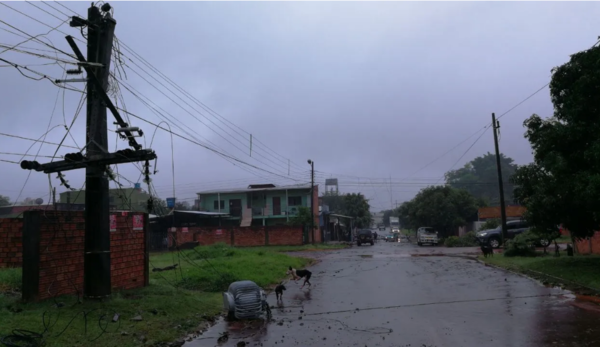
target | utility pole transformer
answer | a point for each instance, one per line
(495, 127)
(101, 27)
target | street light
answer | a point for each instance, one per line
(312, 197)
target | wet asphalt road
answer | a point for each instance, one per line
(384, 295)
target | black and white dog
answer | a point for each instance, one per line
(298, 274)
(279, 291)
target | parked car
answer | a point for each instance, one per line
(427, 235)
(391, 238)
(364, 236)
(493, 237)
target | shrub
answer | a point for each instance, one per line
(490, 224)
(467, 240)
(521, 246)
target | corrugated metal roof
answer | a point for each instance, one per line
(340, 216)
(246, 190)
(203, 213)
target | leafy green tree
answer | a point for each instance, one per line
(441, 207)
(334, 200)
(159, 206)
(562, 185)
(404, 212)
(4, 200)
(357, 206)
(480, 178)
(182, 206)
(303, 218)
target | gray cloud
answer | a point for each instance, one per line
(368, 90)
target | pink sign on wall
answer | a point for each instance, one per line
(219, 232)
(184, 230)
(138, 222)
(113, 222)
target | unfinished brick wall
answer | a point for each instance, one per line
(54, 253)
(589, 246)
(238, 236)
(11, 248)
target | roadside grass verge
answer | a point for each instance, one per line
(170, 307)
(213, 268)
(10, 280)
(582, 270)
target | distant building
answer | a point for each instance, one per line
(14, 211)
(259, 204)
(512, 212)
(123, 199)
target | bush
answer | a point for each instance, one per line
(467, 240)
(521, 246)
(490, 224)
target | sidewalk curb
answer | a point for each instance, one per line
(561, 280)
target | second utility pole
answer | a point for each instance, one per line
(495, 127)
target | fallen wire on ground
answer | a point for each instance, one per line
(425, 304)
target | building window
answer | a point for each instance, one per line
(294, 201)
(216, 205)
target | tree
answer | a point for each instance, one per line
(4, 200)
(159, 206)
(404, 213)
(357, 206)
(334, 200)
(303, 218)
(562, 185)
(441, 207)
(480, 178)
(182, 206)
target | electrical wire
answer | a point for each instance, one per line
(464, 153)
(34, 140)
(196, 101)
(204, 146)
(227, 135)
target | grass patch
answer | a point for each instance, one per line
(170, 307)
(10, 280)
(467, 240)
(213, 268)
(579, 269)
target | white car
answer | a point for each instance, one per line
(427, 235)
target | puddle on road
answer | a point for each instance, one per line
(366, 255)
(231, 333)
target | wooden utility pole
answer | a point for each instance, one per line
(97, 282)
(101, 27)
(312, 199)
(495, 127)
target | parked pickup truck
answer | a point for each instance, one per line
(427, 235)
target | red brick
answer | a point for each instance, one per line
(61, 252)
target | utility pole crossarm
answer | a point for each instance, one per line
(100, 89)
(119, 157)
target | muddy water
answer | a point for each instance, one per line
(383, 295)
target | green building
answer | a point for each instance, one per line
(259, 204)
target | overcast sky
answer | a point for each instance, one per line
(367, 90)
